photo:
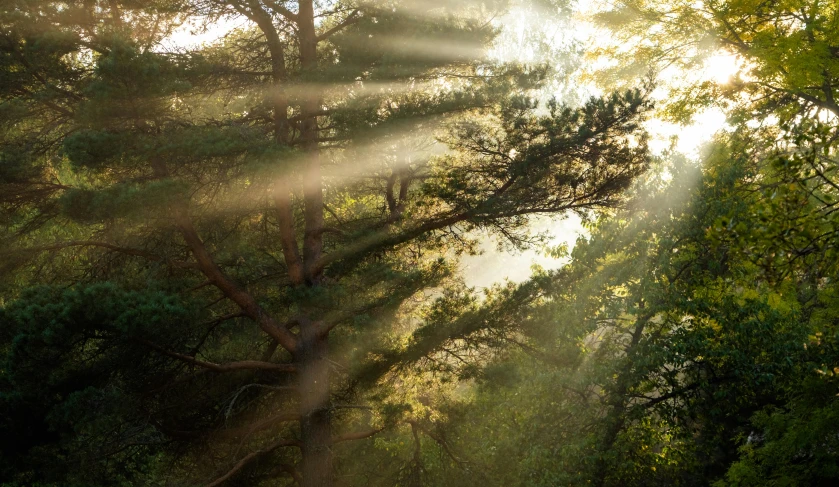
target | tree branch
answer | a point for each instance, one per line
(251, 457)
(288, 240)
(356, 435)
(349, 20)
(243, 299)
(286, 13)
(439, 440)
(226, 367)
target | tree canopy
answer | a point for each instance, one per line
(241, 261)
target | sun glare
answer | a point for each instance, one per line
(720, 68)
(192, 34)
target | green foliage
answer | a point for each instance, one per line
(74, 376)
(788, 50)
(155, 204)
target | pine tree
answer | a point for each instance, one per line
(230, 234)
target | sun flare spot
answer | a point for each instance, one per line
(720, 68)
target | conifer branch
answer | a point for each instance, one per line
(244, 300)
(105, 245)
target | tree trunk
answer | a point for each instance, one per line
(313, 355)
(315, 430)
(315, 424)
(310, 106)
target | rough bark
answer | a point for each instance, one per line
(312, 184)
(282, 133)
(315, 423)
(315, 420)
(311, 354)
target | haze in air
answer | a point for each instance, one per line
(419, 243)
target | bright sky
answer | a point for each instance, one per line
(191, 35)
(494, 266)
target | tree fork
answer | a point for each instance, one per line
(311, 354)
(281, 190)
(207, 266)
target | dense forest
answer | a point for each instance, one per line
(235, 239)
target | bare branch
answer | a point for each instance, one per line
(251, 457)
(351, 19)
(439, 440)
(226, 367)
(356, 435)
(276, 7)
